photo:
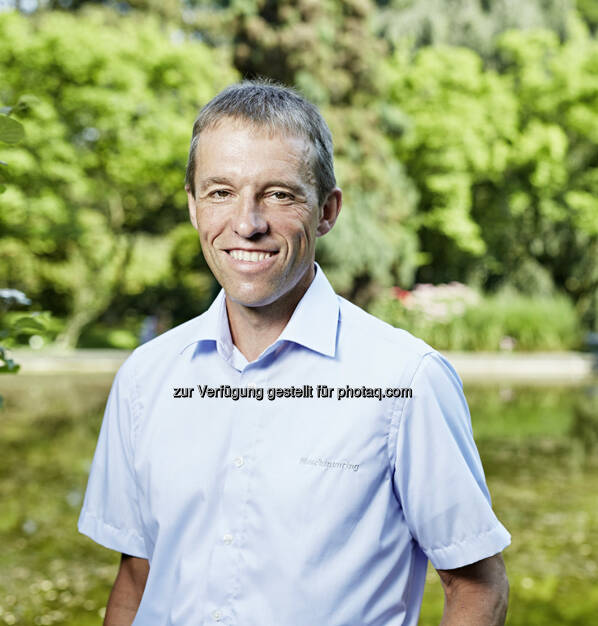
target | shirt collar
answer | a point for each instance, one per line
(313, 323)
(315, 319)
(214, 327)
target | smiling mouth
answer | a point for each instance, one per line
(251, 256)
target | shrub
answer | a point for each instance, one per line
(455, 317)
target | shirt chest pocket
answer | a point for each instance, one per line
(326, 453)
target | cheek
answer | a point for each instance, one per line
(210, 226)
(297, 224)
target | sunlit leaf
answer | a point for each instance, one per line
(11, 131)
(27, 323)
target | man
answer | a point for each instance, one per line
(286, 459)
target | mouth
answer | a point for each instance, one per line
(251, 256)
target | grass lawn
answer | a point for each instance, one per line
(539, 448)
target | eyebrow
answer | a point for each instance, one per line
(215, 180)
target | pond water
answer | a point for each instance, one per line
(540, 452)
(539, 446)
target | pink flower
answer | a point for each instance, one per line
(401, 294)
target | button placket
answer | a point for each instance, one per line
(224, 578)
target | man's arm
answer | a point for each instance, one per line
(127, 591)
(476, 594)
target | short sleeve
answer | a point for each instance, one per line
(438, 473)
(110, 514)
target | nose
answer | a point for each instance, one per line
(249, 220)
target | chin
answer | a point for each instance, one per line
(251, 300)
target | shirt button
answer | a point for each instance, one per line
(252, 385)
(238, 461)
(216, 615)
(227, 539)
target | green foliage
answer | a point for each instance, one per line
(507, 320)
(7, 365)
(460, 121)
(326, 48)
(474, 24)
(100, 336)
(552, 182)
(506, 162)
(10, 130)
(189, 269)
(476, 163)
(15, 325)
(373, 242)
(588, 10)
(105, 153)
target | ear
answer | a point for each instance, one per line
(329, 211)
(192, 206)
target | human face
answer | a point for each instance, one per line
(256, 211)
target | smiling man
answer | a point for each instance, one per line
(253, 199)
(291, 507)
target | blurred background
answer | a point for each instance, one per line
(466, 144)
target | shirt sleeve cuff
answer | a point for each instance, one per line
(470, 550)
(119, 539)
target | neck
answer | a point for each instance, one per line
(253, 329)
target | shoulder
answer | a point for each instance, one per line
(376, 347)
(373, 334)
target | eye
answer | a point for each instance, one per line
(281, 195)
(220, 194)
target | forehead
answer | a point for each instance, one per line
(245, 148)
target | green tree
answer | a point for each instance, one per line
(11, 132)
(588, 11)
(455, 126)
(505, 161)
(100, 173)
(474, 24)
(552, 190)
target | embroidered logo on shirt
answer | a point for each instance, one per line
(328, 464)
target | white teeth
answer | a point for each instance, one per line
(245, 255)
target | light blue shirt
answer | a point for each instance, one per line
(290, 511)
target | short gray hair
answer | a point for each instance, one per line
(280, 108)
